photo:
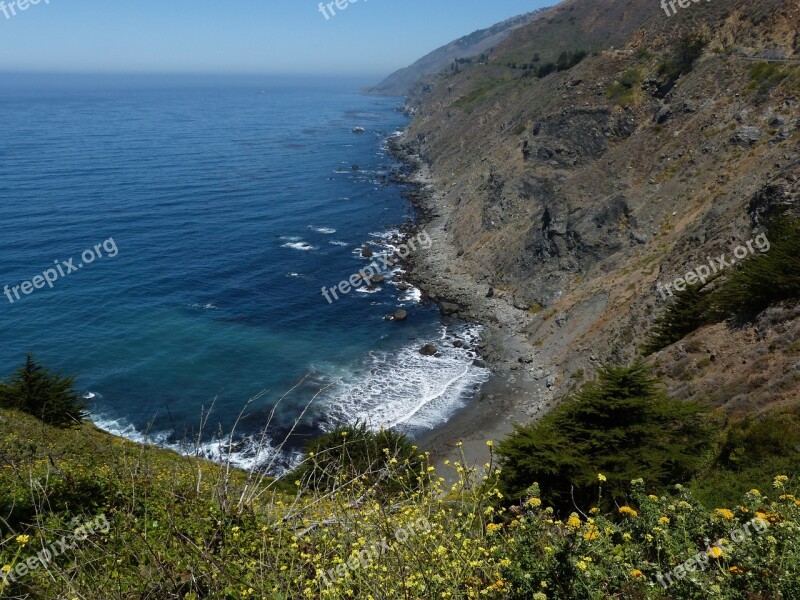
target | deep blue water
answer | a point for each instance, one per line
(230, 205)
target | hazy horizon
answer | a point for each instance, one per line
(369, 38)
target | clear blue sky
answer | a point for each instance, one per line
(370, 37)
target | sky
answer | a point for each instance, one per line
(368, 37)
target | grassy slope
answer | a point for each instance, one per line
(178, 530)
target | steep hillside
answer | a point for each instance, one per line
(467, 47)
(563, 196)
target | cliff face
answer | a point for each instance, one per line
(572, 195)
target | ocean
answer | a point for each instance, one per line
(225, 206)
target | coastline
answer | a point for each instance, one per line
(518, 390)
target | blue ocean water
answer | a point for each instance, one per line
(230, 205)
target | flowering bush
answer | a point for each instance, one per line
(181, 528)
(667, 547)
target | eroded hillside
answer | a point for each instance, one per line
(564, 198)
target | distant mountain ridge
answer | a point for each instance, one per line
(401, 82)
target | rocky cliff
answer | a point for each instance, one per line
(566, 187)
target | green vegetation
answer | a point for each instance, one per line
(750, 451)
(689, 49)
(641, 550)
(46, 396)
(622, 425)
(766, 76)
(766, 278)
(565, 62)
(623, 90)
(689, 310)
(763, 279)
(470, 100)
(352, 453)
(182, 528)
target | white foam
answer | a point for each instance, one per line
(207, 306)
(409, 391)
(247, 452)
(338, 243)
(304, 246)
(412, 295)
(325, 230)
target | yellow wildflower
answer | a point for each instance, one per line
(637, 573)
(724, 513)
(592, 534)
(601, 477)
(664, 520)
(628, 511)
(716, 552)
(780, 480)
(574, 522)
(23, 540)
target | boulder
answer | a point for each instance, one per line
(449, 309)
(367, 252)
(429, 350)
(399, 315)
(747, 136)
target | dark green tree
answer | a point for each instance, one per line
(690, 47)
(689, 310)
(622, 425)
(44, 395)
(767, 277)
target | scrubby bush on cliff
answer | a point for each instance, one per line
(622, 425)
(763, 279)
(46, 396)
(767, 278)
(689, 310)
(681, 62)
(354, 452)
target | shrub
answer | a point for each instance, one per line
(666, 546)
(48, 397)
(623, 90)
(689, 310)
(750, 451)
(764, 279)
(355, 452)
(757, 282)
(765, 76)
(622, 425)
(689, 49)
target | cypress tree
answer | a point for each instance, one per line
(44, 395)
